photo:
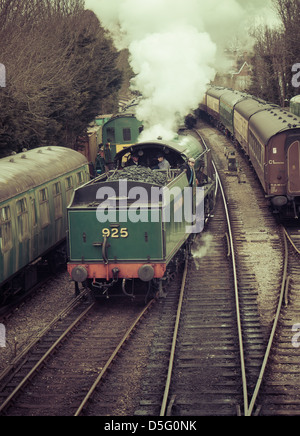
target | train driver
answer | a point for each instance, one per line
(133, 161)
(163, 164)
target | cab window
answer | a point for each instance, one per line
(111, 134)
(126, 134)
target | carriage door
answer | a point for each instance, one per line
(34, 228)
(294, 168)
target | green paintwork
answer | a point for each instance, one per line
(227, 104)
(86, 230)
(117, 125)
(146, 240)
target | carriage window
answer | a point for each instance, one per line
(69, 189)
(79, 178)
(256, 148)
(33, 213)
(126, 134)
(57, 198)
(69, 183)
(44, 208)
(22, 217)
(111, 134)
(5, 229)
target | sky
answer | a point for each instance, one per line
(176, 47)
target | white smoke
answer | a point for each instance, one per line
(172, 71)
(174, 47)
(201, 248)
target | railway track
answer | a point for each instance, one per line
(207, 359)
(114, 354)
(209, 370)
(203, 344)
(280, 388)
(21, 371)
(59, 373)
(272, 361)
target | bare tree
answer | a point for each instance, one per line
(289, 13)
(60, 69)
(269, 65)
(275, 52)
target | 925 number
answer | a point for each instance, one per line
(115, 233)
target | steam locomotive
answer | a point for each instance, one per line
(130, 228)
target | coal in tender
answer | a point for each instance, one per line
(140, 174)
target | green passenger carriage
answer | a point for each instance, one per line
(228, 102)
(35, 189)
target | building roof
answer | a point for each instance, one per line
(245, 70)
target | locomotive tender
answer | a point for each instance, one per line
(270, 137)
(127, 251)
(35, 189)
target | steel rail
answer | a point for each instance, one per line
(173, 347)
(291, 240)
(236, 292)
(110, 360)
(273, 331)
(236, 287)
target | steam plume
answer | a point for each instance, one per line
(173, 51)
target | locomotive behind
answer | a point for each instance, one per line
(270, 137)
(35, 188)
(120, 131)
(129, 229)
